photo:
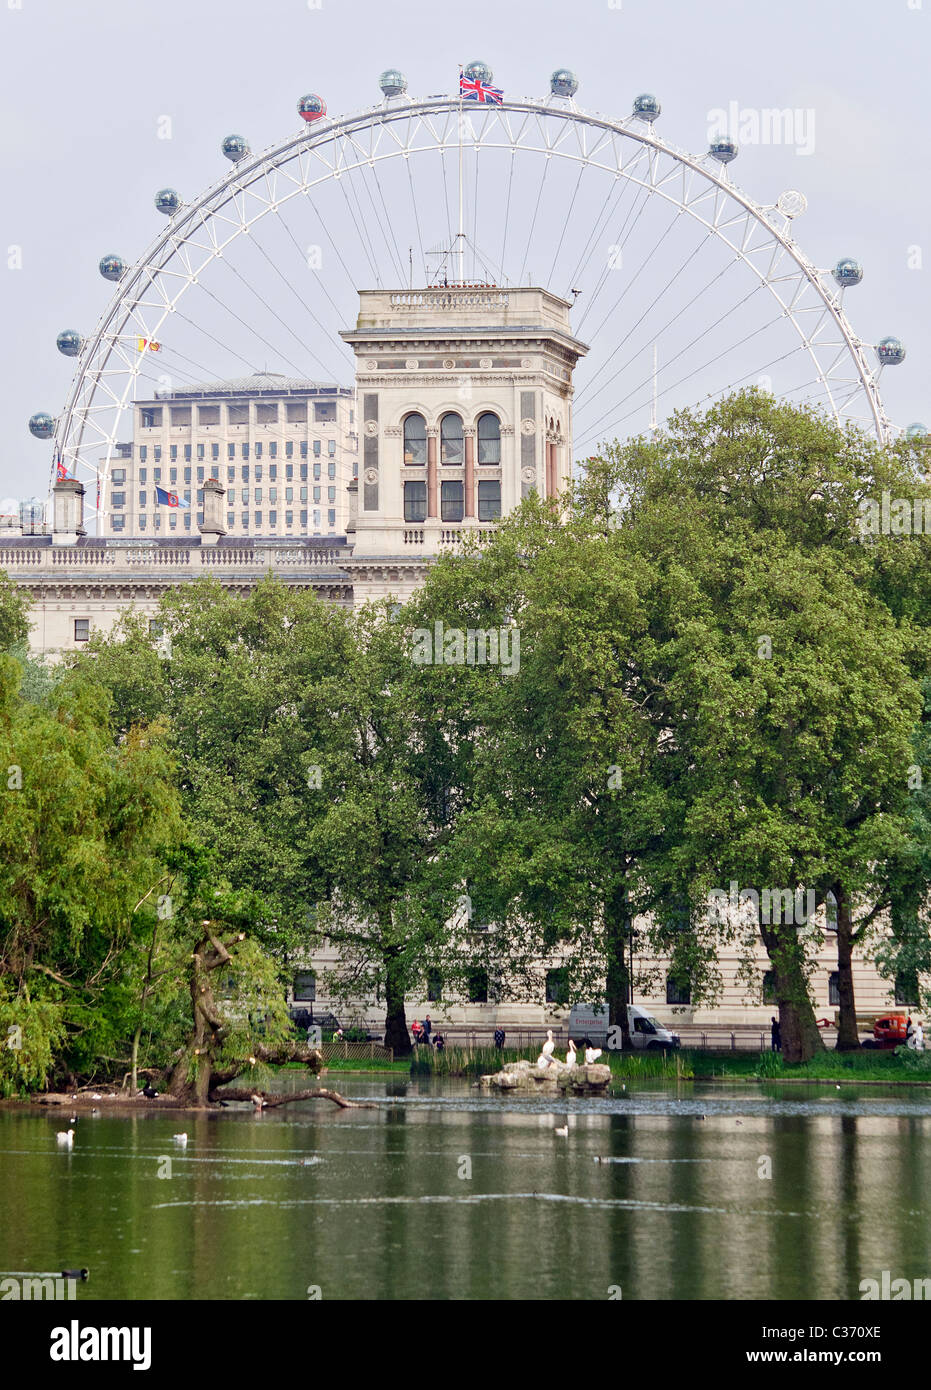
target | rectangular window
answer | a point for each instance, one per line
(289, 471)
(289, 518)
(258, 471)
(273, 470)
(180, 414)
(331, 470)
(557, 985)
(143, 472)
(143, 453)
(297, 412)
(331, 447)
(273, 519)
(244, 494)
(678, 990)
(173, 521)
(173, 452)
(231, 451)
(152, 418)
(187, 453)
(118, 523)
(304, 519)
(258, 518)
(245, 519)
(273, 494)
(245, 473)
(258, 449)
(82, 629)
(200, 451)
(231, 475)
(258, 494)
(142, 523)
(476, 982)
(142, 501)
(331, 518)
(245, 451)
(118, 475)
(316, 471)
(157, 453)
(230, 520)
(200, 496)
(208, 414)
(238, 414)
(200, 475)
(451, 500)
(289, 494)
(266, 412)
(303, 494)
(289, 448)
(303, 472)
(489, 500)
(214, 451)
(834, 988)
(157, 474)
(303, 448)
(187, 519)
(317, 447)
(173, 475)
(331, 494)
(273, 450)
(316, 494)
(118, 499)
(187, 475)
(415, 501)
(324, 411)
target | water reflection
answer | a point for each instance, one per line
(441, 1192)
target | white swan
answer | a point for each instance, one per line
(591, 1055)
(65, 1137)
(563, 1133)
(546, 1055)
(258, 1102)
(180, 1139)
(570, 1054)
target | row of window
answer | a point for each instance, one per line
(452, 439)
(118, 523)
(118, 499)
(452, 499)
(257, 451)
(153, 417)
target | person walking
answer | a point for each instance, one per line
(427, 1030)
(775, 1035)
(499, 1038)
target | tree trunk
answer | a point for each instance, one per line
(800, 1035)
(271, 1100)
(617, 975)
(396, 1034)
(848, 1036)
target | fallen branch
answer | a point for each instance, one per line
(271, 1099)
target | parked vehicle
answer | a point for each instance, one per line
(646, 1032)
(889, 1031)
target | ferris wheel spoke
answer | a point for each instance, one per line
(676, 318)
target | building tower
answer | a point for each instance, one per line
(464, 397)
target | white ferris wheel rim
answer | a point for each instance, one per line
(391, 128)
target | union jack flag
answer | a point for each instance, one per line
(474, 89)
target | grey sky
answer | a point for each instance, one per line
(85, 81)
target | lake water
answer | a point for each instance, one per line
(441, 1192)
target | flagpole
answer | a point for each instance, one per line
(460, 236)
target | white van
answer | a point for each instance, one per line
(591, 1021)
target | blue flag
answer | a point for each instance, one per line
(168, 499)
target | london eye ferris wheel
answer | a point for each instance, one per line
(683, 286)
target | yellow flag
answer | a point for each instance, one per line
(150, 343)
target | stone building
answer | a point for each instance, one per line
(463, 402)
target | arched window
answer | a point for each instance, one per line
(451, 441)
(489, 438)
(415, 440)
